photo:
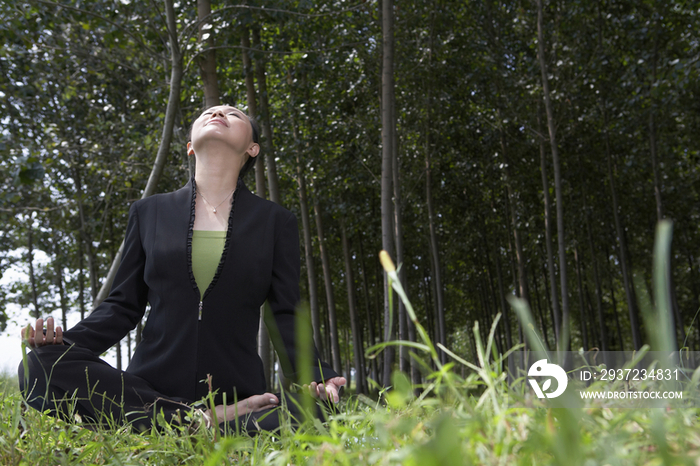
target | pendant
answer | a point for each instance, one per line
(214, 210)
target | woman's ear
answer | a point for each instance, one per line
(190, 151)
(254, 149)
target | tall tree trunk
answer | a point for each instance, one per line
(308, 248)
(622, 249)
(652, 139)
(207, 60)
(252, 107)
(613, 300)
(355, 325)
(502, 298)
(388, 129)
(561, 237)
(404, 362)
(434, 249)
(166, 136)
(548, 237)
(598, 290)
(524, 291)
(58, 270)
(330, 299)
(87, 238)
(368, 312)
(273, 184)
(537, 304)
(584, 333)
(81, 277)
(36, 313)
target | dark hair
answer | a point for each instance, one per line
(256, 139)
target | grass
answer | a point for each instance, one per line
(452, 420)
(459, 421)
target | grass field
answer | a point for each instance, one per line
(458, 421)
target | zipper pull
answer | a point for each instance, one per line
(201, 304)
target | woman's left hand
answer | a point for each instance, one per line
(328, 390)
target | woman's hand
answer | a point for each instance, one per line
(36, 339)
(328, 390)
(251, 404)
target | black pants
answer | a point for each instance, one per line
(70, 380)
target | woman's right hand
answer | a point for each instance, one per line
(35, 339)
(252, 404)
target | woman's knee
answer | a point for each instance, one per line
(37, 366)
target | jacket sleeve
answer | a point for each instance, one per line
(126, 303)
(283, 299)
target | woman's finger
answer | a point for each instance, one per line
(332, 391)
(257, 403)
(59, 335)
(39, 338)
(322, 391)
(49, 331)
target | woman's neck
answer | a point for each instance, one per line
(214, 179)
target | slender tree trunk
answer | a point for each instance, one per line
(207, 60)
(584, 333)
(128, 348)
(548, 239)
(561, 238)
(548, 297)
(613, 300)
(536, 304)
(434, 250)
(388, 129)
(81, 277)
(622, 241)
(598, 291)
(652, 140)
(504, 305)
(519, 252)
(58, 270)
(36, 313)
(87, 238)
(166, 137)
(252, 108)
(355, 326)
(330, 299)
(368, 311)
(308, 252)
(118, 347)
(273, 184)
(404, 362)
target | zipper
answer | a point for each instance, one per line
(224, 252)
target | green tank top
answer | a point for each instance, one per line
(207, 247)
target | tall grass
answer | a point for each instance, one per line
(480, 418)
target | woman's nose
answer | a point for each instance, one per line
(218, 113)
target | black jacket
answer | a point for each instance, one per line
(178, 348)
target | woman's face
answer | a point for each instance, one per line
(223, 125)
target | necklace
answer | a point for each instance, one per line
(210, 204)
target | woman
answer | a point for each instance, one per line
(205, 258)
